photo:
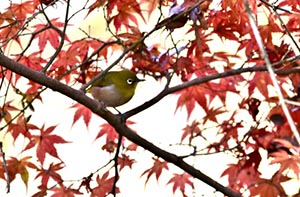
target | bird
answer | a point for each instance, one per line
(115, 88)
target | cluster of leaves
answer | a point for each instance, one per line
(32, 36)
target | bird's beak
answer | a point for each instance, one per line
(139, 80)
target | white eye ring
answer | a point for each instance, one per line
(130, 81)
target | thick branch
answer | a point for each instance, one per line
(115, 121)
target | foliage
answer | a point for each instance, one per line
(257, 67)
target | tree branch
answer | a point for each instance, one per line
(208, 78)
(114, 120)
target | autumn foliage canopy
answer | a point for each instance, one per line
(231, 65)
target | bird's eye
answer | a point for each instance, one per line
(130, 81)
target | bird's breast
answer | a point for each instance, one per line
(109, 95)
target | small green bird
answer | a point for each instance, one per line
(115, 88)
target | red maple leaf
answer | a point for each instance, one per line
(232, 172)
(34, 61)
(21, 10)
(180, 181)
(124, 161)
(105, 185)
(45, 143)
(156, 169)
(110, 132)
(82, 111)
(286, 161)
(51, 172)
(47, 34)
(21, 127)
(191, 130)
(127, 11)
(64, 191)
(191, 95)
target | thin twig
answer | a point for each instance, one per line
(62, 36)
(5, 168)
(114, 188)
(271, 71)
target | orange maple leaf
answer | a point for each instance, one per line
(266, 189)
(16, 166)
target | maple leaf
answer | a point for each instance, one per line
(86, 182)
(20, 127)
(95, 5)
(132, 37)
(110, 132)
(265, 188)
(156, 169)
(34, 61)
(267, 30)
(180, 181)
(82, 111)
(42, 191)
(45, 143)
(293, 4)
(212, 113)
(46, 34)
(286, 161)
(5, 111)
(22, 10)
(124, 161)
(184, 68)
(64, 191)
(110, 146)
(127, 11)
(152, 5)
(292, 22)
(232, 172)
(191, 95)
(105, 185)
(16, 166)
(51, 172)
(192, 130)
(64, 60)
